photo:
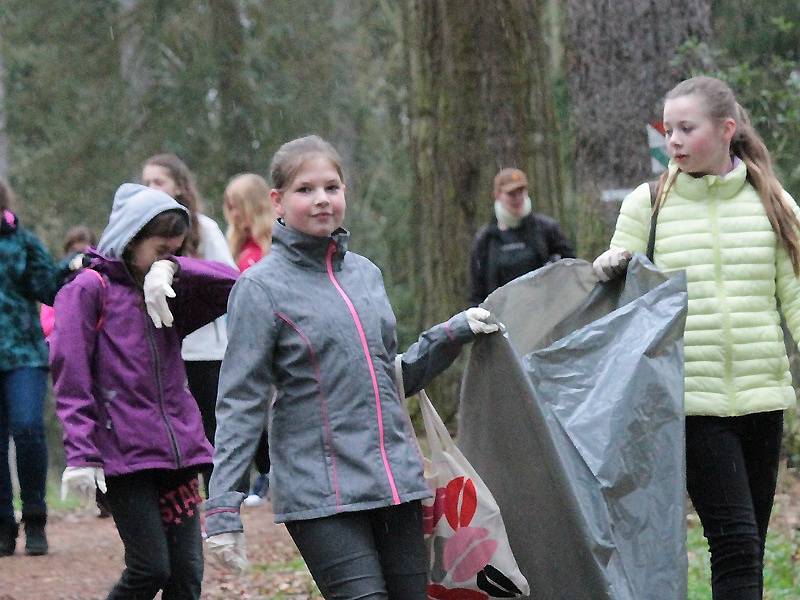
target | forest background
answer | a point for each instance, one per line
(425, 99)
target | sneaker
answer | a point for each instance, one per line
(259, 492)
(253, 500)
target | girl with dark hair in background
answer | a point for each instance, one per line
(204, 349)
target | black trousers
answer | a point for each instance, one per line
(157, 514)
(203, 377)
(374, 554)
(731, 473)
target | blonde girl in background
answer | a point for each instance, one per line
(250, 216)
(204, 349)
(723, 217)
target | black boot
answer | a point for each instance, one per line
(8, 537)
(35, 538)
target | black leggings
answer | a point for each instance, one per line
(203, 378)
(731, 472)
(157, 514)
(374, 554)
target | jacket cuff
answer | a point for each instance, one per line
(458, 329)
(222, 514)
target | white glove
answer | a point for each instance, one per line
(228, 551)
(477, 317)
(76, 262)
(82, 482)
(611, 263)
(157, 288)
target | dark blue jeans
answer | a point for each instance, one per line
(731, 472)
(22, 394)
(374, 554)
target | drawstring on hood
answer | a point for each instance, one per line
(134, 207)
(506, 220)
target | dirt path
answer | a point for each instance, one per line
(85, 560)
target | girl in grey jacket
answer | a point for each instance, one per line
(314, 320)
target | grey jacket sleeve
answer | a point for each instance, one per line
(433, 352)
(245, 385)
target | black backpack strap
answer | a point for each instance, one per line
(651, 241)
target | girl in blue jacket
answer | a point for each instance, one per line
(27, 275)
(722, 216)
(131, 426)
(314, 320)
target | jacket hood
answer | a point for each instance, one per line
(134, 206)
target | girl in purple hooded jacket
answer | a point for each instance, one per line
(131, 426)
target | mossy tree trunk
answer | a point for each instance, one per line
(479, 99)
(3, 132)
(235, 94)
(621, 60)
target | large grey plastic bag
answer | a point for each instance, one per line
(575, 422)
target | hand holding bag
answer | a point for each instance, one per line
(470, 557)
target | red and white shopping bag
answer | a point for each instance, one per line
(470, 558)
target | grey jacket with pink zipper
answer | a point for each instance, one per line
(314, 320)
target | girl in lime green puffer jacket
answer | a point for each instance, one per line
(724, 218)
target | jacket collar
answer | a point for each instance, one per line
(711, 186)
(309, 251)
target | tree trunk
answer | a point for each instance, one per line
(3, 132)
(479, 100)
(133, 54)
(618, 69)
(235, 95)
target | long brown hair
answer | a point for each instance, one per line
(250, 194)
(188, 197)
(721, 104)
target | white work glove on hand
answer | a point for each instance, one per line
(82, 482)
(477, 317)
(157, 288)
(611, 263)
(228, 551)
(76, 262)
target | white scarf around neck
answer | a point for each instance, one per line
(506, 220)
